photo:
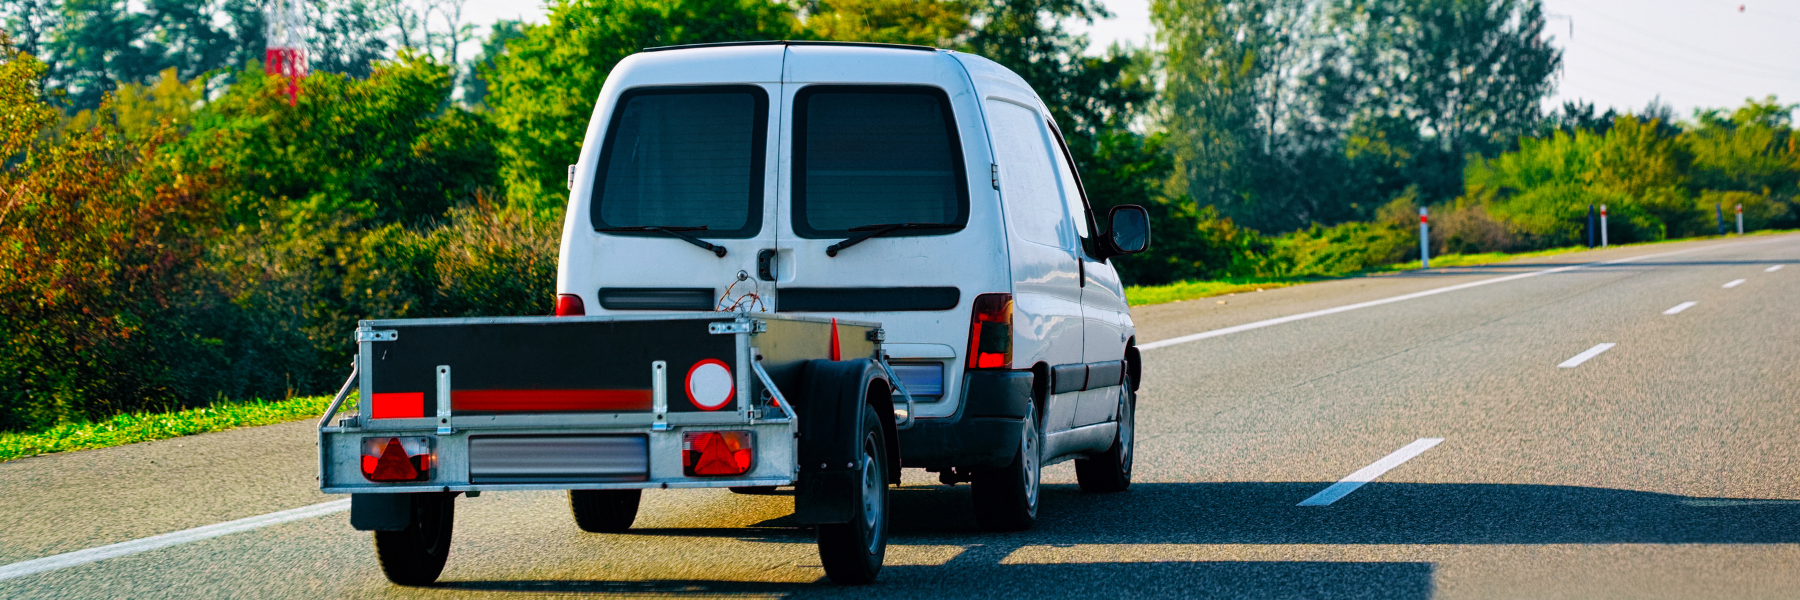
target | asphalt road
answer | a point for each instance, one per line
(1667, 466)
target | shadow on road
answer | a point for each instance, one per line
(1236, 513)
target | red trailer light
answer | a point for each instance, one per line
(990, 332)
(569, 305)
(391, 459)
(716, 453)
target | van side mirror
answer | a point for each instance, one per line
(1129, 231)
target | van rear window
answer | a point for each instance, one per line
(876, 155)
(684, 157)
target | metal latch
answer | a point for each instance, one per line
(371, 335)
(876, 335)
(744, 326)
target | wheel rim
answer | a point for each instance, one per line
(871, 492)
(1029, 450)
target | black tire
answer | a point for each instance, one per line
(1110, 471)
(852, 552)
(605, 511)
(1006, 499)
(415, 555)
(753, 490)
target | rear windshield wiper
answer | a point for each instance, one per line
(869, 231)
(672, 231)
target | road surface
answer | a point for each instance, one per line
(1666, 465)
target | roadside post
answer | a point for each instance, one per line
(1424, 240)
(1603, 226)
(1590, 227)
(1740, 217)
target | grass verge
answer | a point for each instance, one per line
(144, 427)
(1140, 295)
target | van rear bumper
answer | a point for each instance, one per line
(985, 430)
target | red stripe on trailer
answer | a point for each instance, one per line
(550, 400)
(397, 405)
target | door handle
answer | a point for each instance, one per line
(765, 264)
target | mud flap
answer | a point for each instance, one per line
(380, 512)
(830, 409)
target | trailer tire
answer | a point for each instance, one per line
(605, 511)
(415, 556)
(1110, 471)
(1006, 498)
(852, 552)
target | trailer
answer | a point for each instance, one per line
(608, 406)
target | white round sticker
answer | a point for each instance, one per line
(709, 384)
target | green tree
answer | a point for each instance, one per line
(938, 23)
(543, 88)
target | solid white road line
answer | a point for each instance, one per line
(1195, 337)
(82, 557)
(1367, 474)
(1680, 307)
(1583, 357)
(1734, 283)
(1772, 269)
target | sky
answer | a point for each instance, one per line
(1622, 54)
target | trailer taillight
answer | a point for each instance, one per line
(990, 332)
(390, 459)
(569, 305)
(716, 453)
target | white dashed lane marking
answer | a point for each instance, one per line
(1576, 360)
(1369, 473)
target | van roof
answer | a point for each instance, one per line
(793, 43)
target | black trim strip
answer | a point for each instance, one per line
(656, 298)
(1068, 378)
(866, 299)
(1083, 377)
(1105, 374)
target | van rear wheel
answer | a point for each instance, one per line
(416, 555)
(605, 511)
(1006, 498)
(1110, 471)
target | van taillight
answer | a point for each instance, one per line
(990, 332)
(569, 305)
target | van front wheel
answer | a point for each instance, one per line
(1006, 498)
(605, 511)
(1110, 471)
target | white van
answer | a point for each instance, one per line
(923, 189)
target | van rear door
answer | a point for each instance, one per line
(683, 186)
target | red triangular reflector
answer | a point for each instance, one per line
(394, 465)
(717, 458)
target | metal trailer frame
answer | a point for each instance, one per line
(775, 434)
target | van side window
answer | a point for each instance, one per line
(1073, 192)
(1028, 181)
(684, 157)
(876, 155)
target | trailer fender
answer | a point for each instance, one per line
(834, 396)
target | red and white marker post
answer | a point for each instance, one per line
(1424, 240)
(1740, 217)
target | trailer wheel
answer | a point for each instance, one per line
(1110, 471)
(416, 555)
(1006, 498)
(605, 511)
(852, 552)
